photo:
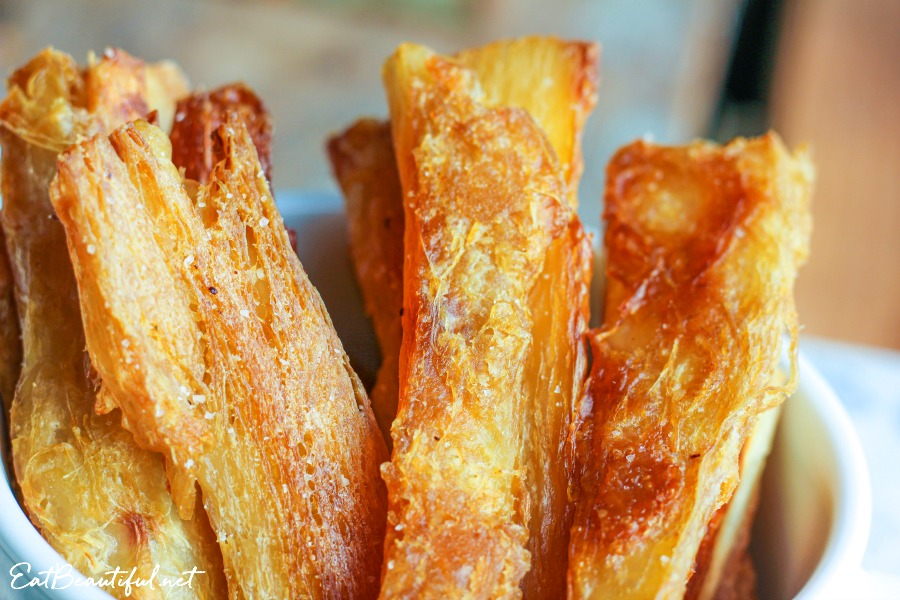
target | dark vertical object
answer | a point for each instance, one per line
(743, 107)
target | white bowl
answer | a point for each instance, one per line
(815, 505)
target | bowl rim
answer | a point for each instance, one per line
(852, 517)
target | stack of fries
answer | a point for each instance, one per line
(214, 421)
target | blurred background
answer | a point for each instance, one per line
(819, 71)
(823, 72)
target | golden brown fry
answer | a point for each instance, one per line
(197, 117)
(555, 81)
(95, 496)
(485, 201)
(199, 314)
(364, 165)
(703, 243)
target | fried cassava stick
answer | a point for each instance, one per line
(485, 204)
(555, 81)
(219, 350)
(703, 245)
(99, 499)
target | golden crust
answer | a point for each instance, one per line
(703, 248)
(99, 499)
(554, 80)
(222, 352)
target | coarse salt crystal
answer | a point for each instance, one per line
(189, 463)
(188, 260)
(198, 398)
(209, 416)
(245, 312)
(91, 248)
(263, 222)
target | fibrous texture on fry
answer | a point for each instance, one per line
(723, 569)
(555, 82)
(219, 351)
(485, 204)
(703, 246)
(99, 499)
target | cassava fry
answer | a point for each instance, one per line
(703, 245)
(198, 314)
(555, 81)
(484, 202)
(363, 162)
(197, 117)
(97, 498)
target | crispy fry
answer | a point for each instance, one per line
(199, 314)
(96, 497)
(703, 248)
(197, 117)
(486, 202)
(363, 162)
(555, 81)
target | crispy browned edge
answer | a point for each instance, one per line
(197, 149)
